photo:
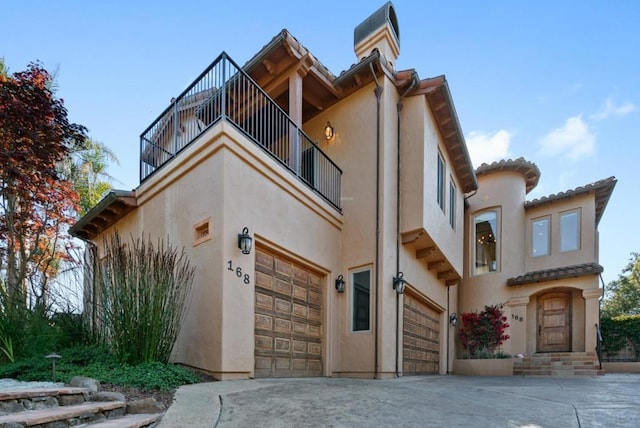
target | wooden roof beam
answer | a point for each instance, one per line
(446, 273)
(425, 252)
(435, 264)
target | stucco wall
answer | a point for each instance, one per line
(224, 176)
(353, 148)
(504, 191)
(421, 142)
(587, 253)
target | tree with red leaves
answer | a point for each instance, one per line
(483, 332)
(37, 204)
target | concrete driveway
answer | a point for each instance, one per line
(425, 401)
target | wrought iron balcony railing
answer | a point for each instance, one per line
(225, 92)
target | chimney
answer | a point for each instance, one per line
(379, 31)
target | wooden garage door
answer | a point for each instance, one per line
(421, 337)
(288, 318)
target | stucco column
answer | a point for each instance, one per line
(516, 317)
(591, 317)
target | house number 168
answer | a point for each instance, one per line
(238, 270)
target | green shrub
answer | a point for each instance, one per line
(618, 331)
(100, 364)
(143, 295)
(485, 354)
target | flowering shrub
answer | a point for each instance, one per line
(483, 332)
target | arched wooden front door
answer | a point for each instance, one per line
(554, 322)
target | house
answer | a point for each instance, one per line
(539, 257)
(361, 205)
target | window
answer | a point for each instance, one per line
(570, 231)
(452, 204)
(540, 237)
(486, 242)
(441, 182)
(361, 298)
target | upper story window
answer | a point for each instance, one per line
(486, 242)
(441, 182)
(540, 236)
(361, 300)
(452, 204)
(570, 231)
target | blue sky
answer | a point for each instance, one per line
(557, 82)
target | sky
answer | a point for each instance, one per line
(557, 82)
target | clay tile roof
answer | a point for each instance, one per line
(556, 273)
(528, 169)
(601, 188)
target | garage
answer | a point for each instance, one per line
(421, 337)
(288, 318)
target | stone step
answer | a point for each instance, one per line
(554, 363)
(127, 421)
(41, 392)
(558, 373)
(558, 364)
(74, 414)
(567, 358)
(77, 407)
(564, 354)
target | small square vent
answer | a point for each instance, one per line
(202, 231)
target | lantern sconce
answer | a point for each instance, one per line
(244, 241)
(340, 284)
(328, 131)
(453, 319)
(399, 283)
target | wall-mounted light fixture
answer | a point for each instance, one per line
(399, 283)
(340, 284)
(328, 131)
(244, 241)
(453, 319)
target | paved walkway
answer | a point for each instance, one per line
(612, 400)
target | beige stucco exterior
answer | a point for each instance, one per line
(504, 190)
(388, 220)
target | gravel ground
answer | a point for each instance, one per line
(12, 384)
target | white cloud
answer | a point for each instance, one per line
(573, 140)
(609, 109)
(488, 147)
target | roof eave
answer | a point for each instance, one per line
(126, 198)
(556, 274)
(454, 139)
(602, 191)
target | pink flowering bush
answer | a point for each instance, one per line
(482, 333)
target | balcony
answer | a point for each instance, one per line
(225, 92)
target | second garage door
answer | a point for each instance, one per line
(421, 337)
(288, 318)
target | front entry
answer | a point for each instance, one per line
(554, 322)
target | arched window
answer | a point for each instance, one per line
(485, 242)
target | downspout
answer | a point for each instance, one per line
(470, 195)
(599, 325)
(448, 327)
(378, 92)
(414, 82)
